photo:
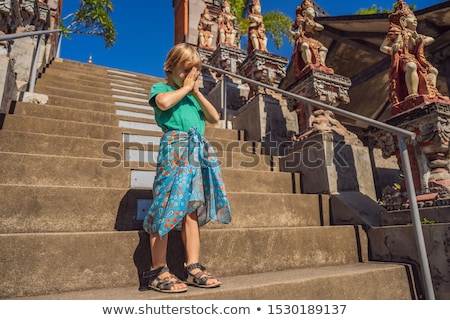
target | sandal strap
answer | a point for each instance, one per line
(200, 277)
(155, 273)
(193, 266)
(167, 283)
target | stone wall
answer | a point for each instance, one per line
(16, 57)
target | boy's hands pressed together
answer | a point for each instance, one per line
(191, 80)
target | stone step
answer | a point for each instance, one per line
(44, 170)
(95, 260)
(230, 134)
(55, 145)
(85, 69)
(114, 85)
(83, 115)
(68, 208)
(84, 104)
(64, 79)
(260, 181)
(112, 89)
(105, 76)
(84, 209)
(30, 124)
(76, 94)
(107, 79)
(64, 113)
(359, 281)
(81, 71)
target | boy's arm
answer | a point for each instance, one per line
(209, 111)
(166, 100)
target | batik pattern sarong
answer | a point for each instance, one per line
(188, 178)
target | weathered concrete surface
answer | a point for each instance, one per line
(397, 243)
(355, 208)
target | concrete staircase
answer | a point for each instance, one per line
(76, 177)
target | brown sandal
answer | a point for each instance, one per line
(200, 278)
(163, 285)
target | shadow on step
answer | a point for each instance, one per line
(128, 217)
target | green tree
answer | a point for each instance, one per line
(277, 24)
(378, 10)
(92, 17)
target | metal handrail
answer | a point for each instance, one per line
(406, 166)
(39, 34)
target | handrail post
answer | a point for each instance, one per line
(58, 47)
(223, 100)
(34, 66)
(418, 230)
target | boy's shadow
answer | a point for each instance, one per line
(175, 257)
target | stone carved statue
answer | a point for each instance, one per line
(5, 15)
(205, 36)
(257, 39)
(54, 7)
(309, 52)
(226, 26)
(10, 18)
(43, 18)
(29, 13)
(411, 74)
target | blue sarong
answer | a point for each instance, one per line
(188, 178)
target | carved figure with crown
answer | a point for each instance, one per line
(412, 77)
(418, 106)
(260, 65)
(309, 76)
(205, 36)
(257, 39)
(309, 52)
(226, 22)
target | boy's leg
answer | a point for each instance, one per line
(159, 252)
(190, 235)
(158, 248)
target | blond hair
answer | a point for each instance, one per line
(184, 54)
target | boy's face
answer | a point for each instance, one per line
(180, 72)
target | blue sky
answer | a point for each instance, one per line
(145, 31)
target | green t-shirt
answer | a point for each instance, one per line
(184, 115)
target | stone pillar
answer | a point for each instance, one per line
(227, 58)
(267, 120)
(330, 163)
(8, 88)
(430, 156)
(264, 67)
(331, 89)
(265, 117)
(330, 158)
